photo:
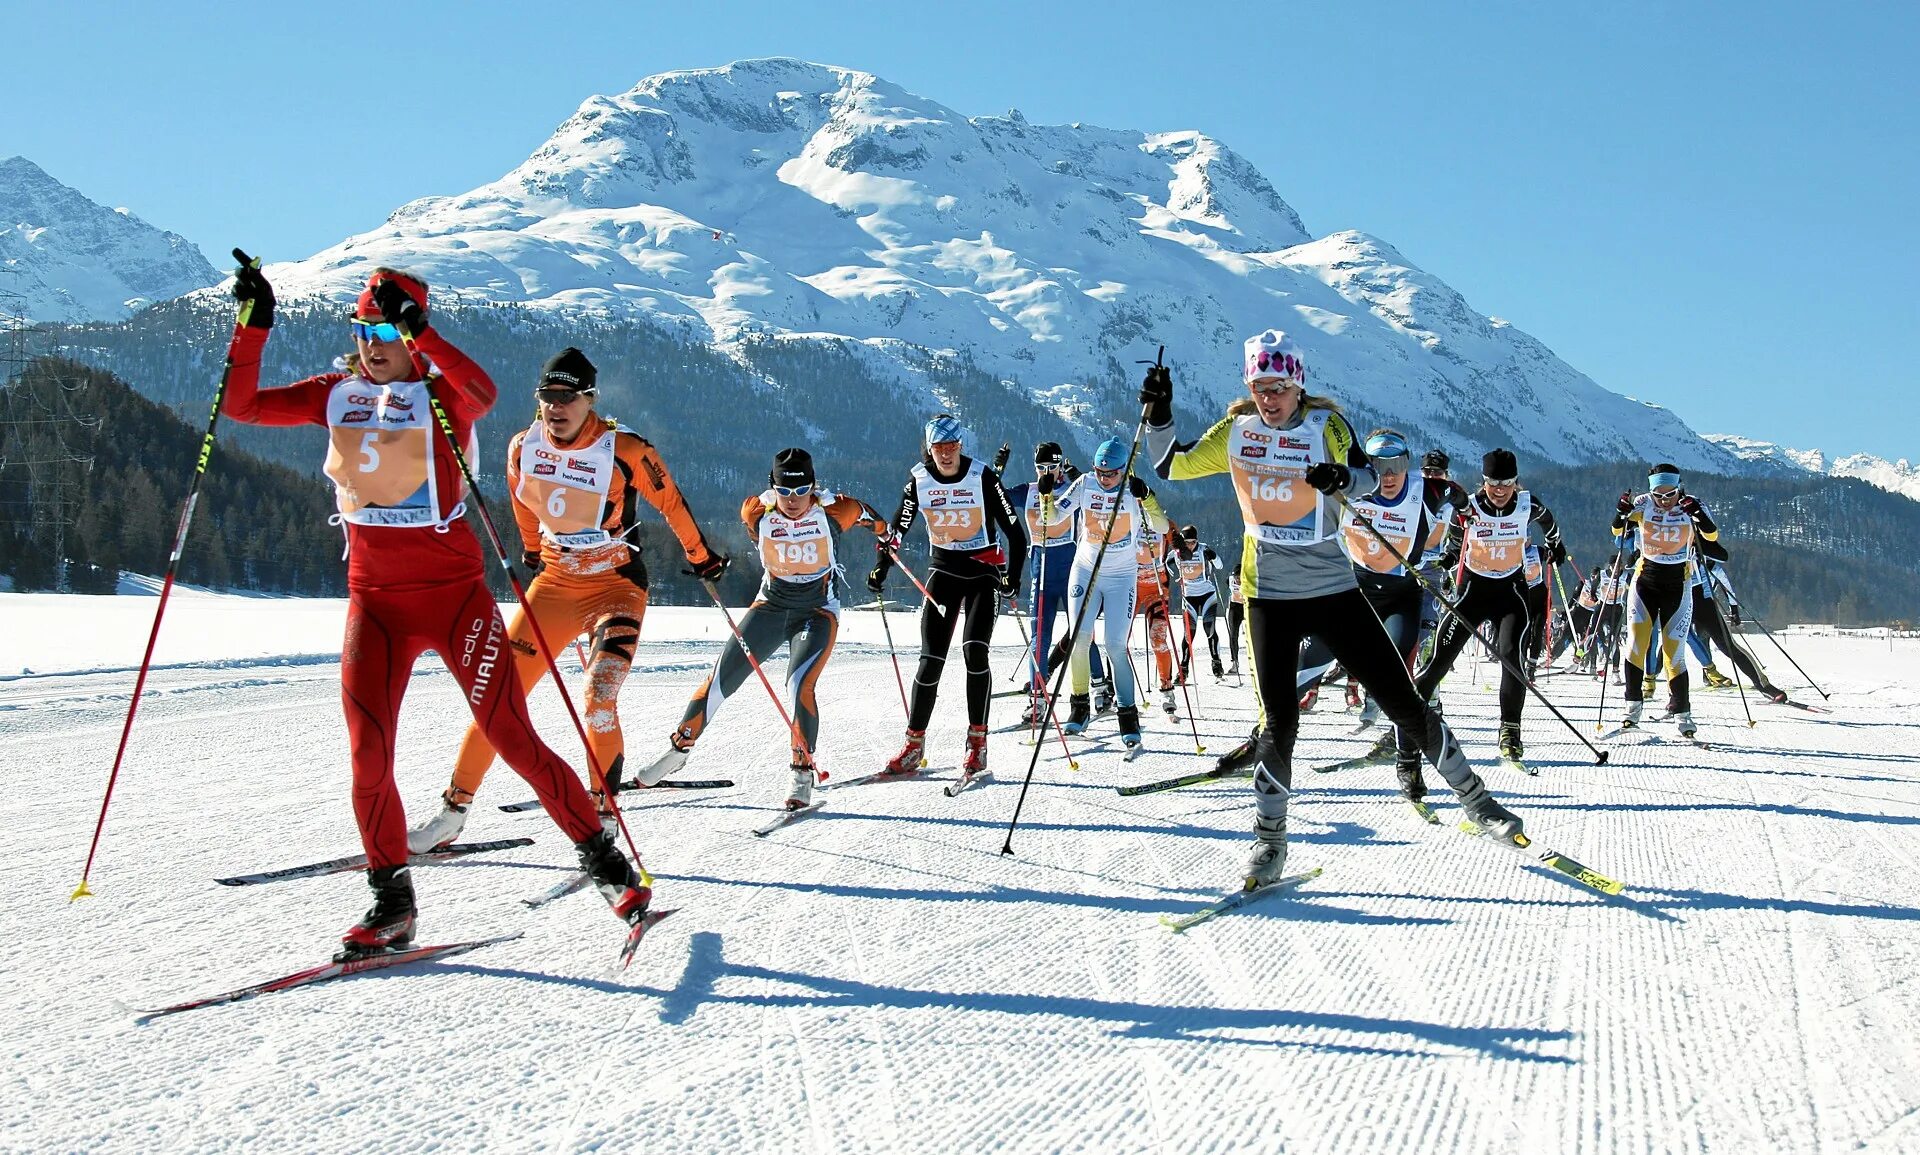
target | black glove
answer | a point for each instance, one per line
(1626, 504)
(1327, 476)
(1734, 613)
(1690, 505)
(877, 580)
(1156, 395)
(1044, 482)
(531, 559)
(711, 569)
(1010, 587)
(1138, 487)
(397, 305)
(1000, 458)
(1560, 554)
(249, 284)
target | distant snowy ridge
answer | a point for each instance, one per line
(775, 198)
(1901, 476)
(76, 260)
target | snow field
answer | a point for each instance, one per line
(880, 978)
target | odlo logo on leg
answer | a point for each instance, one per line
(488, 654)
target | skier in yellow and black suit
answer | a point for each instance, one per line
(1666, 520)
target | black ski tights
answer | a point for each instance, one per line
(1502, 603)
(978, 599)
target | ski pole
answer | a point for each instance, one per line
(166, 588)
(594, 770)
(915, 579)
(793, 728)
(1738, 683)
(1566, 612)
(1073, 635)
(898, 678)
(1606, 654)
(1600, 756)
(1783, 653)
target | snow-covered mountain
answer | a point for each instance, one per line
(81, 261)
(1902, 476)
(775, 198)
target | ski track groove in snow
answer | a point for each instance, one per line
(880, 978)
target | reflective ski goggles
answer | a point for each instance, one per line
(1506, 483)
(1389, 451)
(376, 331)
(561, 396)
(794, 490)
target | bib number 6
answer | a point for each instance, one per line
(557, 502)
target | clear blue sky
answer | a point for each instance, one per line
(1711, 206)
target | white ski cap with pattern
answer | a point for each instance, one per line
(1273, 354)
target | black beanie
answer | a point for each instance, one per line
(1049, 453)
(1500, 465)
(1436, 459)
(791, 467)
(570, 368)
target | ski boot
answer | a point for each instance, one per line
(1773, 693)
(1308, 699)
(1632, 718)
(1684, 720)
(1498, 823)
(1268, 859)
(1036, 712)
(614, 877)
(664, 766)
(443, 827)
(1219, 671)
(1077, 715)
(1238, 758)
(800, 796)
(1169, 702)
(1511, 748)
(1673, 706)
(1102, 696)
(975, 763)
(388, 926)
(1129, 717)
(1353, 695)
(1233, 668)
(1413, 786)
(1385, 748)
(1646, 686)
(1714, 679)
(910, 759)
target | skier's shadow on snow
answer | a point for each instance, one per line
(1299, 907)
(1323, 1031)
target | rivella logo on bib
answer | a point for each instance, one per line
(1253, 451)
(356, 416)
(544, 468)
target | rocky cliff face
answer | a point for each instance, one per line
(70, 259)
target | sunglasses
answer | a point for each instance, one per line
(376, 331)
(1272, 385)
(1098, 472)
(794, 490)
(1667, 494)
(1509, 483)
(561, 396)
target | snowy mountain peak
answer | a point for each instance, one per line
(777, 197)
(74, 260)
(1900, 476)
